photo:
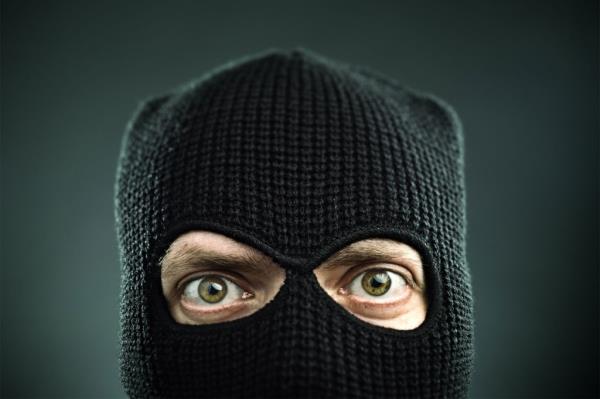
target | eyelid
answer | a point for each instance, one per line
(180, 286)
(404, 273)
(216, 310)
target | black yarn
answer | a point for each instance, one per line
(297, 155)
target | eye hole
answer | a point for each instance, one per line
(379, 284)
(213, 290)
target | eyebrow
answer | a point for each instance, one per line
(198, 258)
(365, 253)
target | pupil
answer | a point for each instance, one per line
(379, 280)
(214, 289)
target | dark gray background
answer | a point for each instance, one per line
(523, 76)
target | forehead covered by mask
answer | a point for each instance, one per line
(297, 155)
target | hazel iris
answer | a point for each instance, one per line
(376, 282)
(212, 289)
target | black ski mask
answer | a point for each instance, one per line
(298, 156)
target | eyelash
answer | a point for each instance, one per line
(180, 287)
(407, 276)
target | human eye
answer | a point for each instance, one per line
(378, 285)
(380, 293)
(212, 294)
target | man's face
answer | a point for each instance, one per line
(210, 278)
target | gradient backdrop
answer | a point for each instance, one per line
(523, 76)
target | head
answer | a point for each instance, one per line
(294, 226)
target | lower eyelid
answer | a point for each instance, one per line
(382, 304)
(382, 310)
(206, 310)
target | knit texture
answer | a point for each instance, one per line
(297, 155)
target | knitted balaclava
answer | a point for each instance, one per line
(298, 156)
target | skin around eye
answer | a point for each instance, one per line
(208, 278)
(389, 293)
